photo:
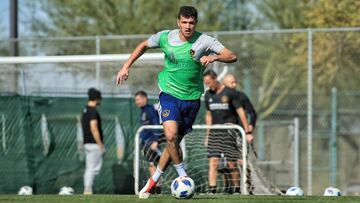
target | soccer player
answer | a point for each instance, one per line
(149, 138)
(223, 107)
(187, 53)
(230, 81)
(93, 139)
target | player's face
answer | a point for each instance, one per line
(232, 83)
(210, 83)
(140, 101)
(186, 26)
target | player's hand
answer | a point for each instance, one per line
(249, 138)
(205, 60)
(102, 148)
(122, 75)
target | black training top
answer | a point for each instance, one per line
(90, 113)
(223, 106)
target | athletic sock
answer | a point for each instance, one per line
(180, 169)
(156, 176)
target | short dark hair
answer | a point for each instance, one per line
(94, 94)
(187, 12)
(210, 73)
(141, 93)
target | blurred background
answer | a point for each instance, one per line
(298, 61)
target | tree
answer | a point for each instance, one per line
(282, 14)
(335, 54)
(269, 56)
(111, 17)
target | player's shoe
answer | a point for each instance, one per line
(88, 191)
(145, 192)
(237, 191)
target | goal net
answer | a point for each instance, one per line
(195, 158)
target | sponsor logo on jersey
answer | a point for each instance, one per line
(192, 52)
(166, 113)
(219, 106)
(224, 99)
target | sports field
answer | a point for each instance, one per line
(168, 198)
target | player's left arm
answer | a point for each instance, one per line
(242, 115)
(208, 121)
(225, 55)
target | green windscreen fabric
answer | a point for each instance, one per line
(15, 166)
(39, 144)
(49, 162)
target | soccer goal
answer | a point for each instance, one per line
(195, 158)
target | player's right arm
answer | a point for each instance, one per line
(96, 133)
(208, 121)
(123, 74)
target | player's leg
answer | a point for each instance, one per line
(214, 153)
(235, 176)
(177, 116)
(93, 166)
(155, 147)
(250, 186)
(227, 181)
(169, 116)
(213, 163)
(153, 161)
(151, 157)
(172, 112)
(172, 145)
(232, 153)
(88, 178)
(164, 162)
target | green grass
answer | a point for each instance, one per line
(168, 198)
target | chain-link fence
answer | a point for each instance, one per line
(312, 74)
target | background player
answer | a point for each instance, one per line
(223, 107)
(93, 139)
(187, 53)
(230, 81)
(149, 138)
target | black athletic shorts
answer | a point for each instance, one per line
(224, 141)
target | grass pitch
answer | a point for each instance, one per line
(169, 198)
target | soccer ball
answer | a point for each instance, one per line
(25, 190)
(66, 191)
(332, 191)
(295, 191)
(183, 187)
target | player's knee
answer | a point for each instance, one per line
(213, 163)
(171, 138)
(96, 171)
(154, 146)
